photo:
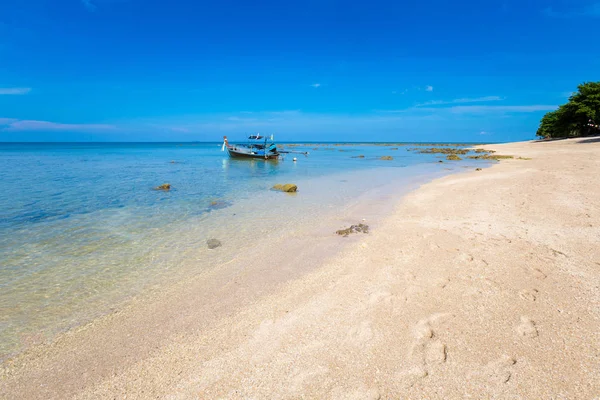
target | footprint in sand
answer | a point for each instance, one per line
(539, 274)
(360, 334)
(382, 296)
(427, 350)
(527, 328)
(500, 371)
(466, 257)
(530, 295)
(442, 283)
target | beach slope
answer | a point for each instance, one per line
(482, 284)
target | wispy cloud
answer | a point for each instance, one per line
(89, 5)
(316, 85)
(14, 91)
(429, 88)
(179, 129)
(503, 109)
(478, 109)
(12, 125)
(592, 10)
(461, 101)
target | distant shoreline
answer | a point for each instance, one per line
(281, 142)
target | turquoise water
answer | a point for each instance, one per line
(82, 230)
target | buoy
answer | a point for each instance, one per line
(295, 159)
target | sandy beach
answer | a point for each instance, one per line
(482, 284)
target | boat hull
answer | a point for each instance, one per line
(239, 154)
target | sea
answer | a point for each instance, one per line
(83, 231)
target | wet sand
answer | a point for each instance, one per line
(481, 284)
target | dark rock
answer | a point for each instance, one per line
(218, 204)
(288, 187)
(353, 229)
(444, 150)
(491, 157)
(477, 169)
(359, 156)
(164, 186)
(213, 243)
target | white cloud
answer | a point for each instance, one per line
(316, 85)
(478, 109)
(461, 100)
(15, 91)
(179, 129)
(506, 109)
(429, 88)
(11, 124)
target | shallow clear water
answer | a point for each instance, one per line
(81, 229)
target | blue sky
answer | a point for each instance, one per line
(149, 70)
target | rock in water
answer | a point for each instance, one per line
(213, 243)
(386, 158)
(453, 157)
(218, 204)
(164, 186)
(288, 187)
(353, 229)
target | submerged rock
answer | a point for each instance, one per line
(213, 243)
(453, 157)
(394, 148)
(359, 156)
(288, 187)
(218, 204)
(164, 186)
(386, 158)
(441, 150)
(353, 229)
(492, 157)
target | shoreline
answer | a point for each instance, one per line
(142, 253)
(304, 248)
(454, 293)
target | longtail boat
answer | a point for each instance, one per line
(257, 147)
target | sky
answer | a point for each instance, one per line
(311, 70)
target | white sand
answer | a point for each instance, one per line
(483, 284)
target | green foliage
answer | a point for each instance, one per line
(579, 117)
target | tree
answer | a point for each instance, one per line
(579, 117)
